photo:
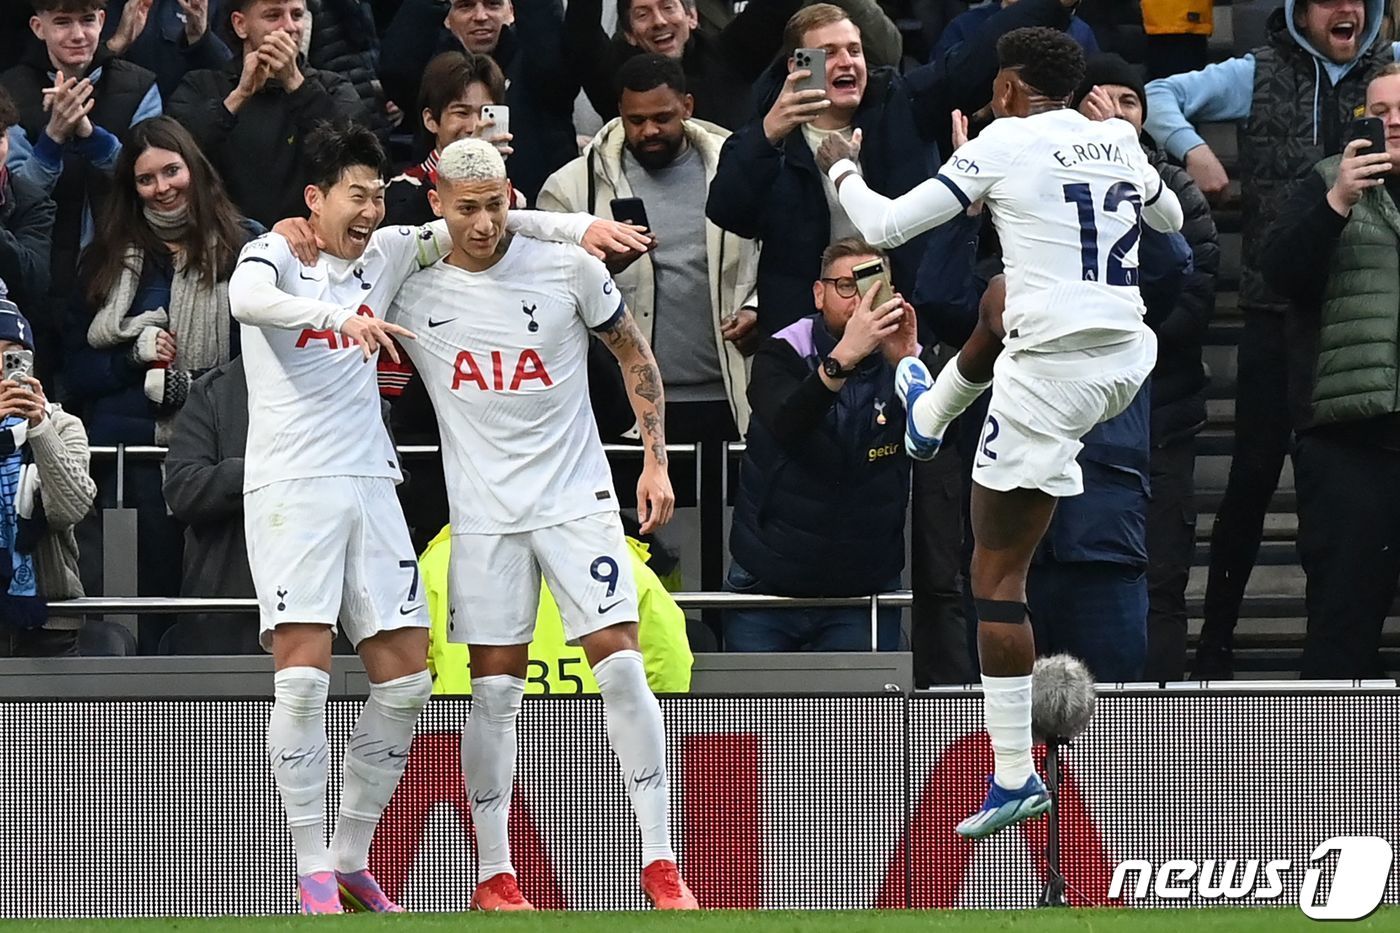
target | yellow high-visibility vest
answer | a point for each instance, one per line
(1178, 17)
(557, 667)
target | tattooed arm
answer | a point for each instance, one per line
(655, 500)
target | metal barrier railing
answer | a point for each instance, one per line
(119, 574)
(166, 605)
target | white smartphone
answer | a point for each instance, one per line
(17, 364)
(499, 115)
(814, 60)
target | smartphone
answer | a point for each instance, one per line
(499, 115)
(814, 60)
(1368, 128)
(18, 363)
(630, 211)
(872, 274)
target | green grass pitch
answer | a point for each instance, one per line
(1223, 920)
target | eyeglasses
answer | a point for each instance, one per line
(845, 286)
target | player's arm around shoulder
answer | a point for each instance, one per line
(256, 294)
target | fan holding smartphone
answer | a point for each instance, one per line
(803, 99)
(1365, 163)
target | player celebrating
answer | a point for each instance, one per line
(326, 536)
(531, 492)
(1066, 194)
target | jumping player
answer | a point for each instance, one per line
(1066, 194)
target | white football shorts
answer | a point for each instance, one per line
(493, 581)
(331, 548)
(1043, 403)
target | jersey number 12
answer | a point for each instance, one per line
(1082, 197)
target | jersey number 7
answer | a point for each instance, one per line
(1082, 197)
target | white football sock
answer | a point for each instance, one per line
(639, 741)
(1006, 702)
(297, 750)
(949, 397)
(488, 766)
(374, 762)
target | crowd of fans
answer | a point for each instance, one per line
(144, 142)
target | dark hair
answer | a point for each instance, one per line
(648, 71)
(9, 113)
(241, 6)
(67, 6)
(624, 13)
(216, 225)
(1046, 59)
(847, 247)
(449, 74)
(334, 146)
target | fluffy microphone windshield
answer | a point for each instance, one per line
(1062, 697)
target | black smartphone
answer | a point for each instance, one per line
(630, 211)
(1371, 129)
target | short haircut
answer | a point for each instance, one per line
(807, 19)
(9, 113)
(333, 147)
(624, 13)
(1387, 71)
(68, 6)
(845, 248)
(1046, 59)
(642, 73)
(471, 159)
(449, 74)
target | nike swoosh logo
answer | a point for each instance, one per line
(307, 278)
(603, 610)
(409, 611)
(432, 323)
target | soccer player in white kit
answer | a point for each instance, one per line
(1066, 196)
(503, 324)
(326, 536)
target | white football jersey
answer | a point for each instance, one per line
(504, 354)
(1066, 195)
(313, 400)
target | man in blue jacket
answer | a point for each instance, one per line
(1292, 99)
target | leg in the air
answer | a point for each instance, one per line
(488, 765)
(376, 757)
(299, 754)
(1006, 527)
(931, 405)
(638, 738)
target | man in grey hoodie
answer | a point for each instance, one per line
(1292, 99)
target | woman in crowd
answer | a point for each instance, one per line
(152, 316)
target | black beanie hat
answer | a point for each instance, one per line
(1107, 68)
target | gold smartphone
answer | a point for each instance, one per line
(870, 274)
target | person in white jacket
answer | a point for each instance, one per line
(693, 294)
